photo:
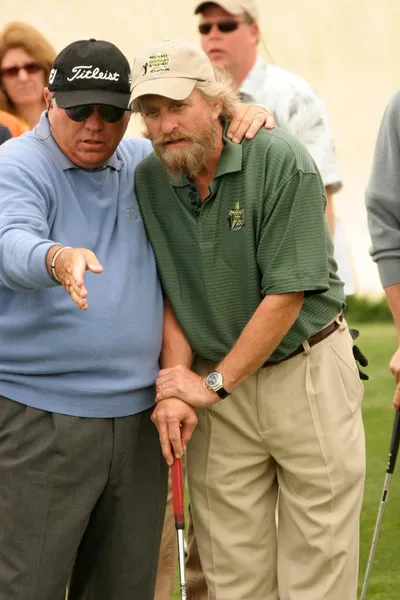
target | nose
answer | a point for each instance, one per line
(94, 122)
(167, 122)
(214, 32)
(23, 75)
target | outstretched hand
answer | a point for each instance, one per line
(70, 269)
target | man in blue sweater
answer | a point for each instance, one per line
(82, 492)
(82, 478)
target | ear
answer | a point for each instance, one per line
(216, 107)
(255, 32)
(47, 97)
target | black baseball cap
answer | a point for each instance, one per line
(91, 72)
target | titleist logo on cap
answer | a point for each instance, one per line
(87, 72)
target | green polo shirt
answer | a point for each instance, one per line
(261, 231)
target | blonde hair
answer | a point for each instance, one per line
(22, 35)
(218, 89)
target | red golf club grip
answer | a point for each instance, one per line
(177, 493)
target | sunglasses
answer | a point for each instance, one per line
(223, 26)
(109, 114)
(30, 68)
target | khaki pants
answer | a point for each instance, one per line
(298, 426)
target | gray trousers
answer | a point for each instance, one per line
(82, 503)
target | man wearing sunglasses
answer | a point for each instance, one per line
(229, 34)
(83, 481)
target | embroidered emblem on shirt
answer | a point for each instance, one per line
(236, 217)
(132, 213)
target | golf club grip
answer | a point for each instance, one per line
(177, 493)
(394, 444)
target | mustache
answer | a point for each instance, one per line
(174, 136)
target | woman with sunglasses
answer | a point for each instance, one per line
(25, 62)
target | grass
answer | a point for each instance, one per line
(378, 342)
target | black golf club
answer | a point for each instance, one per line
(394, 448)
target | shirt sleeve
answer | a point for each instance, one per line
(383, 196)
(24, 230)
(304, 114)
(292, 252)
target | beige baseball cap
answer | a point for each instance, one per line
(170, 69)
(233, 7)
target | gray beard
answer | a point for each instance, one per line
(188, 161)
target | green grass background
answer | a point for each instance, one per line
(378, 342)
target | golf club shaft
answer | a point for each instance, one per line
(177, 500)
(378, 524)
(391, 464)
(181, 561)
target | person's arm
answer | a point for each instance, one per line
(393, 297)
(263, 333)
(26, 250)
(307, 120)
(67, 266)
(304, 114)
(330, 209)
(175, 349)
(247, 120)
(174, 419)
(24, 230)
(382, 203)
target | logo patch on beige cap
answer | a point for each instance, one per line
(157, 63)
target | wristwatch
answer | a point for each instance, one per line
(215, 382)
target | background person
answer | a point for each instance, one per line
(12, 123)
(383, 209)
(229, 34)
(25, 62)
(4, 134)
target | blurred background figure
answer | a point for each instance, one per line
(230, 34)
(4, 134)
(25, 63)
(383, 209)
(12, 123)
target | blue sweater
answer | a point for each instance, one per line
(102, 362)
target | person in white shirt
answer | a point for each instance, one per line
(229, 34)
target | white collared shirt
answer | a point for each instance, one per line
(297, 109)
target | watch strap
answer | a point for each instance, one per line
(222, 393)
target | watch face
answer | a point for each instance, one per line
(214, 379)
